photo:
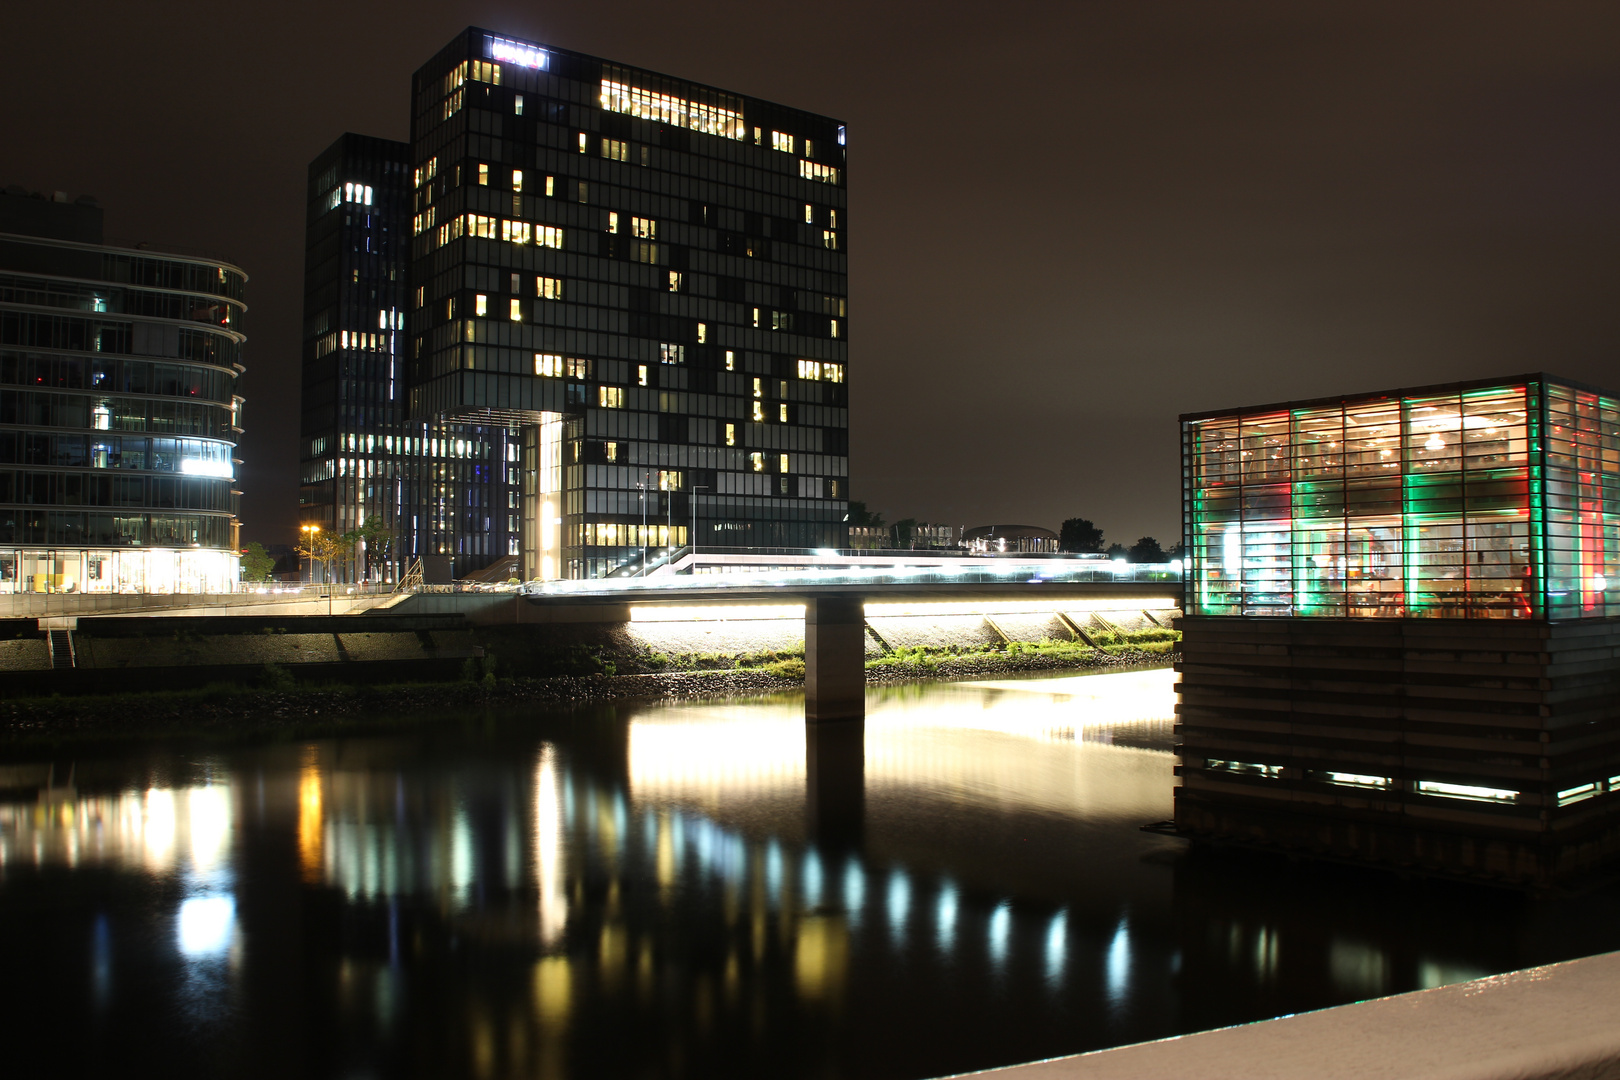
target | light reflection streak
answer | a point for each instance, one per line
(945, 929)
(811, 877)
(158, 830)
(899, 905)
(548, 851)
(1117, 967)
(854, 891)
(1057, 941)
(997, 933)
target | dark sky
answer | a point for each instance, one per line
(1070, 222)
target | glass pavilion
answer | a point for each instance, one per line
(1496, 499)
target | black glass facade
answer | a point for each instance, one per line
(436, 488)
(647, 278)
(119, 409)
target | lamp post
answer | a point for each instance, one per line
(642, 569)
(691, 539)
(309, 532)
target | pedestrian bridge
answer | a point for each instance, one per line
(837, 601)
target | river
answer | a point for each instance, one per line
(687, 890)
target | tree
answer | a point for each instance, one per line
(1146, 549)
(1115, 551)
(1078, 534)
(860, 517)
(377, 537)
(1178, 550)
(257, 564)
(902, 531)
(323, 548)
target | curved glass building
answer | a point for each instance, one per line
(119, 408)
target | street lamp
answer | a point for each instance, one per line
(691, 539)
(309, 532)
(642, 569)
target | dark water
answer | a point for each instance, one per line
(685, 891)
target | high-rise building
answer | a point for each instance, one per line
(645, 279)
(425, 488)
(119, 408)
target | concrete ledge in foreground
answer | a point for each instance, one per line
(1560, 1021)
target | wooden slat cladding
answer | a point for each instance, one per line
(1436, 743)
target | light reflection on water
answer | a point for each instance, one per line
(961, 884)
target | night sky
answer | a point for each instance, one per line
(1069, 222)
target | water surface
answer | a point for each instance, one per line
(688, 890)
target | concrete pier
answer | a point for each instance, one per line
(834, 658)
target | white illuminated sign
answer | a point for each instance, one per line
(515, 52)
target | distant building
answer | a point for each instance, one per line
(932, 537)
(641, 281)
(1402, 619)
(1023, 539)
(119, 408)
(437, 489)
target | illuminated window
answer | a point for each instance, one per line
(829, 239)
(809, 369)
(782, 141)
(674, 281)
(548, 288)
(517, 310)
(548, 236)
(832, 488)
(703, 333)
(551, 186)
(612, 450)
(427, 172)
(480, 304)
(517, 179)
(421, 295)
(731, 360)
(784, 463)
(759, 388)
(757, 460)
(645, 252)
(483, 176)
(481, 225)
(582, 142)
(615, 150)
(610, 397)
(781, 320)
(781, 409)
(646, 228)
(641, 375)
(756, 317)
(811, 170)
(450, 308)
(672, 354)
(759, 412)
(723, 117)
(516, 232)
(833, 372)
(517, 105)
(579, 369)
(835, 328)
(731, 434)
(613, 221)
(547, 364)
(809, 214)
(670, 480)
(452, 105)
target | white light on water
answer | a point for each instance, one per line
(203, 927)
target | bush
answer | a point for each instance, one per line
(791, 668)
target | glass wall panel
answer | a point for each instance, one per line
(1483, 502)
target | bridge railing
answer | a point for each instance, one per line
(1007, 574)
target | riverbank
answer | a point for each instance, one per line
(236, 711)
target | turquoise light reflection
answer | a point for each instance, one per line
(946, 928)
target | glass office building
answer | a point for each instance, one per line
(1497, 499)
(436, 488)
(119, 408)
(645, 278)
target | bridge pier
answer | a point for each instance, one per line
(834, 658)
(835, 783)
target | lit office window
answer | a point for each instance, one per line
(703, 333)
(810, 369)
(583, 141)
(809, 214)
(782, 141)
(731, 360)
(757, 460)
(784, 463)
(480, 304)
(517, 179)
(672, 354)
(517, 105)
(615, 150)
(641, 374)
(483, 175)
(714, 119)
(610, 397)
(759, 387)
(548, 288)
(829, 239)
(811, 170)
(612, 451)
(517, 310)
(645, 252)
(646, 228)
(613, 221)
(731, 434)
(674, 281)
(782, 411)
(548, 364)
(759, 412)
